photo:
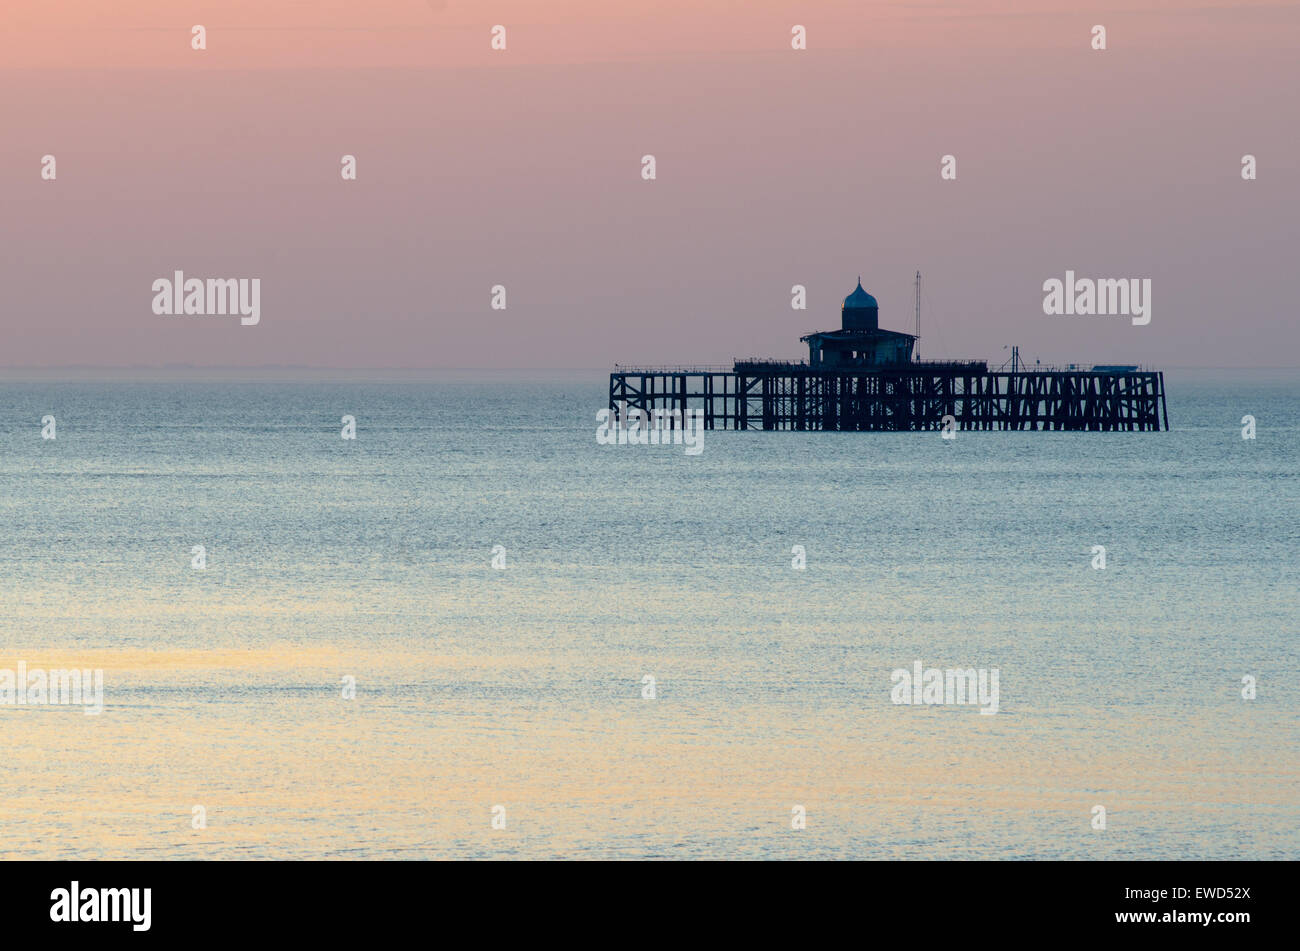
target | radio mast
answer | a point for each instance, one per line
(916, 353)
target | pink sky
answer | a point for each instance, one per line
(775, 167)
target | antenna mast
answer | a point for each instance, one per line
(916, 353)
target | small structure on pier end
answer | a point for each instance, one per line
(860, 341)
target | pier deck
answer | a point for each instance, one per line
(913, 396)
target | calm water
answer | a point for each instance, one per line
(523, 687)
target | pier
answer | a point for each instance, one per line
(863, 377)
(769, 395)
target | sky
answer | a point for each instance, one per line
(522, 168)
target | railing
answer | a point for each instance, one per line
(755, 363)
(1023, 367)
(972, 365)
(619, 368)
(977, 365)
(769, 363)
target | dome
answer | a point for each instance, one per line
(860, 299)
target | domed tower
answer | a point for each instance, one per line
(860, 311)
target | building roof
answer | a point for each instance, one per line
(860, 299)
(848, 336)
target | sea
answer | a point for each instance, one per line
(474, 632)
